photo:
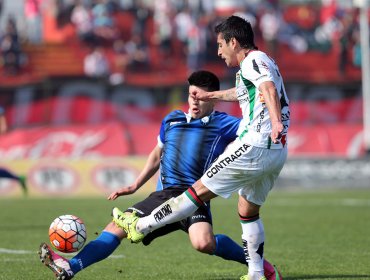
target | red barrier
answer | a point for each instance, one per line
(114, 139)
(65, 141)
(337, 140)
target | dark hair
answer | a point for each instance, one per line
(238, 28)
(204, 79)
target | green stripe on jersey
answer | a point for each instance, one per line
(252, 96)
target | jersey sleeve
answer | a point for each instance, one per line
(162, 131)
(256, 69)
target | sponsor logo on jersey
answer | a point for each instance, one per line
(243, 95)
(205, 120)
(163, 212)
(264, 65)
(172, 123)
(221, 164)
(237, 79)
(261, 117)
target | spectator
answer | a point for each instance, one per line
(196, 46)
(137, 52)
(184, 23)
(12, 57)
(103, 23)
(163, 30)
(347, 39)
(96, 64)
(356, 50)
(81, 17)
(270, 24)
(32, 11)
(142, 14)
(132, 55)
(63, 10)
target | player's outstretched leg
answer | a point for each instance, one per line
(59, 265)
(23, 183)
(128, 221)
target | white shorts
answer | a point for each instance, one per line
(250, 170)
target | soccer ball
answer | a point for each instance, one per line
(67, 233)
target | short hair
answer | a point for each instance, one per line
(238, 28)
(204, 79)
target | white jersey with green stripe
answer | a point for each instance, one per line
(255, 128)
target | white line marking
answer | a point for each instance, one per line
(25, 252)
(17, 252)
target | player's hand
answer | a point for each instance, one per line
(197, 93)
(123, 191)
(277, 129)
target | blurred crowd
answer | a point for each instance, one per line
(185, 28)
(12, 57)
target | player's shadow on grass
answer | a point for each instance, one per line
(308, 277)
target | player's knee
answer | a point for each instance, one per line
(207, 245)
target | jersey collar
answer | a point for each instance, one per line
(204, 120)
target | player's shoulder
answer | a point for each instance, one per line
(222, 116)
(256, 54)
(175, 114)
(254, 57)
(173, 117)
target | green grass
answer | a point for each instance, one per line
(309, 235)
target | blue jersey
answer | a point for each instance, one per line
(191, 145)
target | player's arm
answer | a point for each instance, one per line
(271, 98)
(224, 95)
(150, 168)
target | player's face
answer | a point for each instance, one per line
(198, 108)
(226, 51)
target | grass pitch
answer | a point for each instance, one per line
(318, 234)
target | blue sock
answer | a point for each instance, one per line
(228, 249)
(7, 174)
(95, 251)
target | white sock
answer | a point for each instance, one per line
(173, 210)
(253, 241)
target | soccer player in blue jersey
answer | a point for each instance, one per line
(188, 143)
(249, 165)
(5, 173)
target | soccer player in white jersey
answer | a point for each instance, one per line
(249, 165)
(202, 129)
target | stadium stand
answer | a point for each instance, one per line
(62, 53)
